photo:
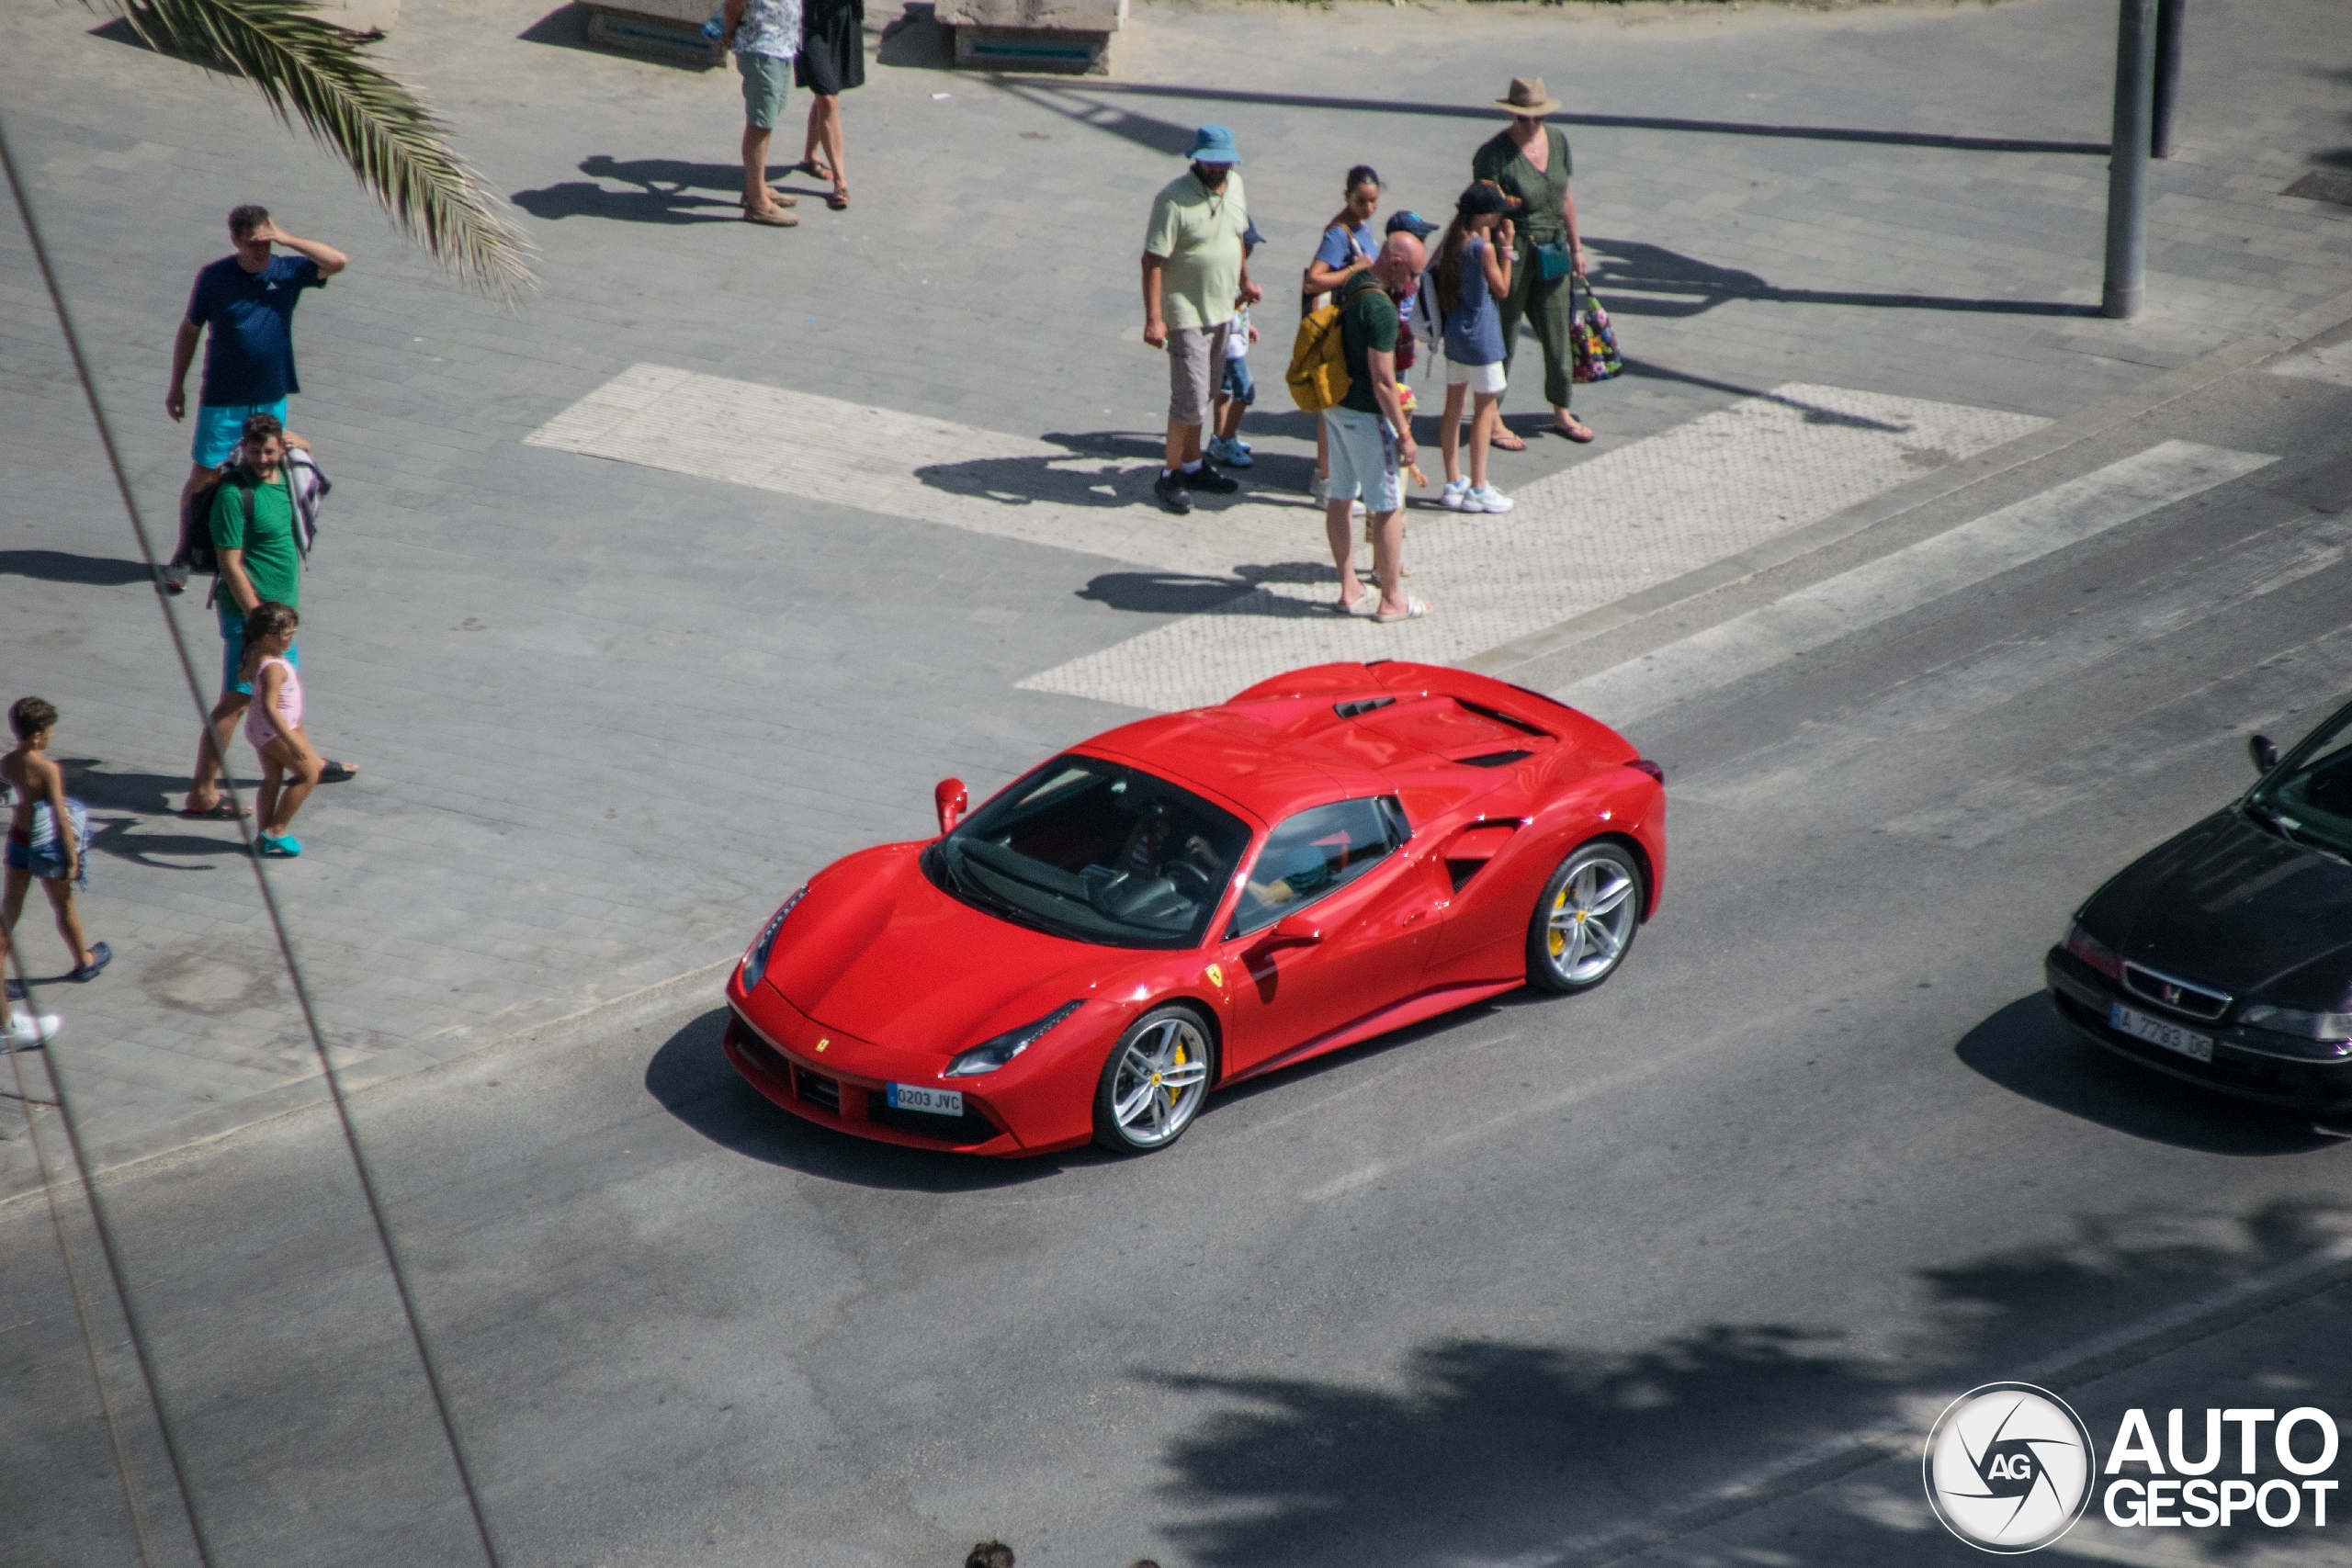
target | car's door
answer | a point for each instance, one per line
(1332, 924)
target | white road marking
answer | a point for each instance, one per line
(1940, 699)
(1631, 518)
(2332, 363)
(932, 470)
(1815, 616)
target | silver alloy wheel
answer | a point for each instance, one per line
(1159, 1082)
(1590, 920)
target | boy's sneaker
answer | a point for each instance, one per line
(1231, 453)
(1317, 487)
(1451, 496)
(1206, 478)
(1486, 498)
(1169, 492)
(25, 1031)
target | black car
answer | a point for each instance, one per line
(2224, 957)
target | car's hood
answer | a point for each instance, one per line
(2227, 904)
(876, 951)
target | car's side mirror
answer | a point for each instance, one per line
(1302, 929)
(2265, 755)
(952, 800)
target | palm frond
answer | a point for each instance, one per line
(396, 146)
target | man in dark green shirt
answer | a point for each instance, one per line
(252, 524)
(1371, 440)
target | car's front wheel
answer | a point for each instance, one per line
(1584, 923)
(1154, 1083)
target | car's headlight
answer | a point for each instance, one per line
(755, 959)
(2333, 1027)
(990, 1054)
(2093, 951)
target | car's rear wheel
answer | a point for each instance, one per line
(1154, 1083)
(1584, 924)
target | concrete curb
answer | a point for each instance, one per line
(2056, 436)
(146, 1153)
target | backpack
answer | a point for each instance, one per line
(1318, 365)
(196, 553)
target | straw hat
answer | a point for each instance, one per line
(1527, 96)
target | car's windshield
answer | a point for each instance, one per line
(1094, 851)
(2310, 792)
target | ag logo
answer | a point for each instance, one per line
(2010, 1467)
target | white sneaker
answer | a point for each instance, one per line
(1451, 496)
(1316, 488)
(25, 1031)
(1486, 498)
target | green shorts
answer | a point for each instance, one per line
(766, 80)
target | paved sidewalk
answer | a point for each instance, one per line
(608, 713)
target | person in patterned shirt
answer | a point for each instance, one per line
(764, 35)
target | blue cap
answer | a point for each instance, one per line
(1214, 145)
(1411, 223)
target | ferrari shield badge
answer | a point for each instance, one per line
(1216, 975)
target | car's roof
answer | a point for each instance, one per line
(1341, 730)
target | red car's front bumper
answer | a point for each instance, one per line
(790, 1072)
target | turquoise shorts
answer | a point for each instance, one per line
(219, 426)
(766, 83)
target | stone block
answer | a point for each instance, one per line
(1065, 36)
(668, 30)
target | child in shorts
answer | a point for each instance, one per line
(1235, 393)
(1473, 272)
(49, 840)
(289, 765)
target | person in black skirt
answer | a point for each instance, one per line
(832, 57)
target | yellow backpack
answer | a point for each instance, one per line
(1318, 365)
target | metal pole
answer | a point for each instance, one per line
(2168, 73)
(2127, 164)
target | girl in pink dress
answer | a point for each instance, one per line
(289, 766)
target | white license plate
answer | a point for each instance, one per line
(938, 1101)
(2156, 1031)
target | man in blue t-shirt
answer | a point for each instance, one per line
(247, 300)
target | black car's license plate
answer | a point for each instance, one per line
(2156, 1031)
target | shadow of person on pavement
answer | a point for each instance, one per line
(1185, 594)
(663, 190)
(1635, 278)
(1540, 1448)
(691, 1079)
(2028, 1050)
(57, 566)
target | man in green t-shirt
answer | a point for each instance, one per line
(1371, 440)
(252, 524)
(1196, 268)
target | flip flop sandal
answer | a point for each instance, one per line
(337, 773)
(1505, 441)
(773, 218)
(219, 811)
(813, 169)
(839, 200)
(1354, 606)
(1572, 435)
(1414, 610)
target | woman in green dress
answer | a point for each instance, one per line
(1530, 163)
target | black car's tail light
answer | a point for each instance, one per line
(2093, 951)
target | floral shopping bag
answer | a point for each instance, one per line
(1591, 340)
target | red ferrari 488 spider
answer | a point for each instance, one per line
(1198, 898)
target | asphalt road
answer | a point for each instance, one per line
(1452, 1297)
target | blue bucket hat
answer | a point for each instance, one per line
(1213, 144)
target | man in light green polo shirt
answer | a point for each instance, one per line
(1194, 268)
